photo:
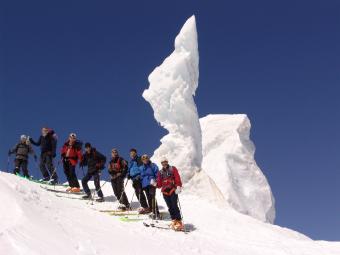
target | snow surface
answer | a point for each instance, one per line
(228, 158)
(36, 222)
(172, 87)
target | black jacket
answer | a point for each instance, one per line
(48, 144)
(94, 161)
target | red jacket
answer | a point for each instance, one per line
(168, 180)
(72, 153)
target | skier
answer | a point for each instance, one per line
(169, 180)
(71, 152)
(48, 144)
(134, 175)
(118, 170)
(22, 150)
(149, 172)
(95, 162)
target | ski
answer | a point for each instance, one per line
(71, 197)
(40, 182)
(128, 218)
(60, 191)
(158, 225)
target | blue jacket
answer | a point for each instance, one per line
(148, 172)
(134, 167)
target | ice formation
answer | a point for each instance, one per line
(228, 158)
(172, 87)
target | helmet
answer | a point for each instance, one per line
(73, 135)
(23, 137)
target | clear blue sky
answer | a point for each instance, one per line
(81, 66)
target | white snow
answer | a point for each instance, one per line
(34, 221)
(226, 155)
(172, 87)
(225, 202)
(228, 158)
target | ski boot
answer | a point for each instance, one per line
(87, 197)
(75, 190)
(100, 200)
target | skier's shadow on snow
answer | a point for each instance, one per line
(189, 227)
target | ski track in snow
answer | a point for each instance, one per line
(34, 221)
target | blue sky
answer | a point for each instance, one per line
(81, 66)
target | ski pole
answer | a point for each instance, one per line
(54, 172)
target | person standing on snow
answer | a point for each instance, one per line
(118, 170)
(48, 145)
(134, 174)
(71, 152)
(22, 150)
(149, 173)
(169, 180)
(95, 162)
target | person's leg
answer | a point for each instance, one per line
(85, 185)
(16, 166)
(66, 166)
(50, 167)
(139, 193)
(96, 177)
(174, 207)
(122, 195)
(73, 177)
(148, 197)
(114, 188)
(24, 168)
(43, 169)
(167, 200)
(152, 191)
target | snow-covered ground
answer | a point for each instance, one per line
(36, 221)
(226, 200)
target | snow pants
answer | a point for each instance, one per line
(47, 167)
(96, 179)
(70, 172)
(172, 203)
(118, 190)
(150, 192)
(137, 186)
(21, 163)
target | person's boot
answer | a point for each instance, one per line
(178, 226)
(68, 189)
(75, 190)
(87, 197)
(143, 210)
(121, 207)
(100, 200)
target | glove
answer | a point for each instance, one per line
(128, 177)
(35, 158)
(178, 190)
(153, 182)
(54, 155)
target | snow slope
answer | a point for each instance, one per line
(36, 222)
(172, 87)
(228, 158)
